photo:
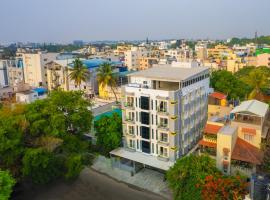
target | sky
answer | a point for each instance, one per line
(89, 20)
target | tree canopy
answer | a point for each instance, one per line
(225, 82)
(43, 140)
(79, 73)
(109, 133)
(193, 177)
(6, 184)
(106, 77)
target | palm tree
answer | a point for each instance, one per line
(79, 73)
(106, 77)
(256, 80)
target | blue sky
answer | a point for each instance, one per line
(68, 20)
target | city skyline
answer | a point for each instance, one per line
(65, 21)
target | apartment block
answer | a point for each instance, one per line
(132, 57)
(164, 111)
(34, 67)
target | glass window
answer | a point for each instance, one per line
(164, 137)
(144, 103)
(163, 151)
(163, 122)
(162, 107)
(145, 118)
(248, 137)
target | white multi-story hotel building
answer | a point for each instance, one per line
(164, 111)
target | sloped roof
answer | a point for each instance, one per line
(246, 152)
(218, 95)
(207, 144)
(212, 128)
(253, 106)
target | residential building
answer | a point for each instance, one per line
(35, 73)
(30, 96)
(164, 110)
(132, 57)
(4, 73)
(236, 145)
(263, 59)
(147, 62)
(15, 72)
(58, 75)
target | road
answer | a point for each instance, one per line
(89, 186)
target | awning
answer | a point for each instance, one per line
(207, 144)
(250, 131)
(212, 129)
(142, 158)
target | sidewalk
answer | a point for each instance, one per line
(146, 179)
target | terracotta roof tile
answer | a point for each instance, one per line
(218, 95)
(207, 144)
(212, 129)
(246, 152)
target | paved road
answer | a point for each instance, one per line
(89, 186)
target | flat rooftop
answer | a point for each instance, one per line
(227, 130)
(167, 72)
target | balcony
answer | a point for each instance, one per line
(162, 111)
(163, 158)
(211, 139)
(163, 142)
(130, 120)
(131, 134)
(129, 105)
(163, 126)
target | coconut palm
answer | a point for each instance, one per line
(106, 77)
(79, 73)
(256, 80)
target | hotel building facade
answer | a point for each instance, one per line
(164, 112)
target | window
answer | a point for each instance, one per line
(131, 144)
(145, 147)
(130, 101)
(152, 149)
(145, 131)
(163, 122)
(131, 130)
(163, 152)
(162, 107)
(152, 133)
(145, 118)
(248, 137)
(130, 116)
(144, 103)
(164, 137)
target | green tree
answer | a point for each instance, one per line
(109, 133)
(74, 166)
(41, 165)
(38, 139)
(106, 77)
(79, 73)
(256, 79)
(186, 173)
(12, 126)
(197, 178)
(6, 184)
(60, 114)
(226, 82)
